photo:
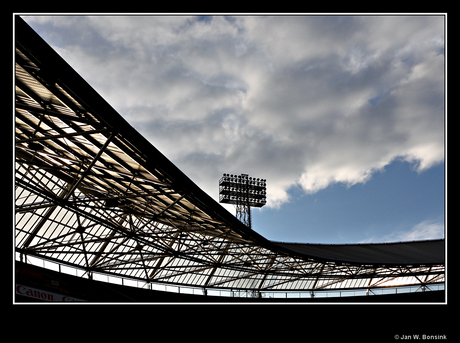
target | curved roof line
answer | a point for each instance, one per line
(397, 253)
(188, 231)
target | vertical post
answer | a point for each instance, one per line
(248, 206)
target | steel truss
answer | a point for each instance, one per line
(90, 196)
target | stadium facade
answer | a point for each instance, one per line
(93, 194)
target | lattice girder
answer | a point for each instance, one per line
(91, 193)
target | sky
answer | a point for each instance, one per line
(342, 115)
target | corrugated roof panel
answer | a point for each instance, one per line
(121, 207)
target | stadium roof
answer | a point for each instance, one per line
(418, 252)
(93, 193)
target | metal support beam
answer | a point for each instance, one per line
(93, 162)
(65, 135)
(74, 152)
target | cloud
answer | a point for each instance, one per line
(307, 101)
(425, 230)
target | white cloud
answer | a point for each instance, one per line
(296, 100)
(425, 230)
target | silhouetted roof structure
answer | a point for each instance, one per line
(401, 253)
(93, 193)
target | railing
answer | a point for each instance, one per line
(232, 293)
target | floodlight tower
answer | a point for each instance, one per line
(244, 192)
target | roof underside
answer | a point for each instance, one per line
(92, 193)
(419, 252)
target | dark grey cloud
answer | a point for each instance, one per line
(306, 101)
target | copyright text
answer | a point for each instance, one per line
(420, 337)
